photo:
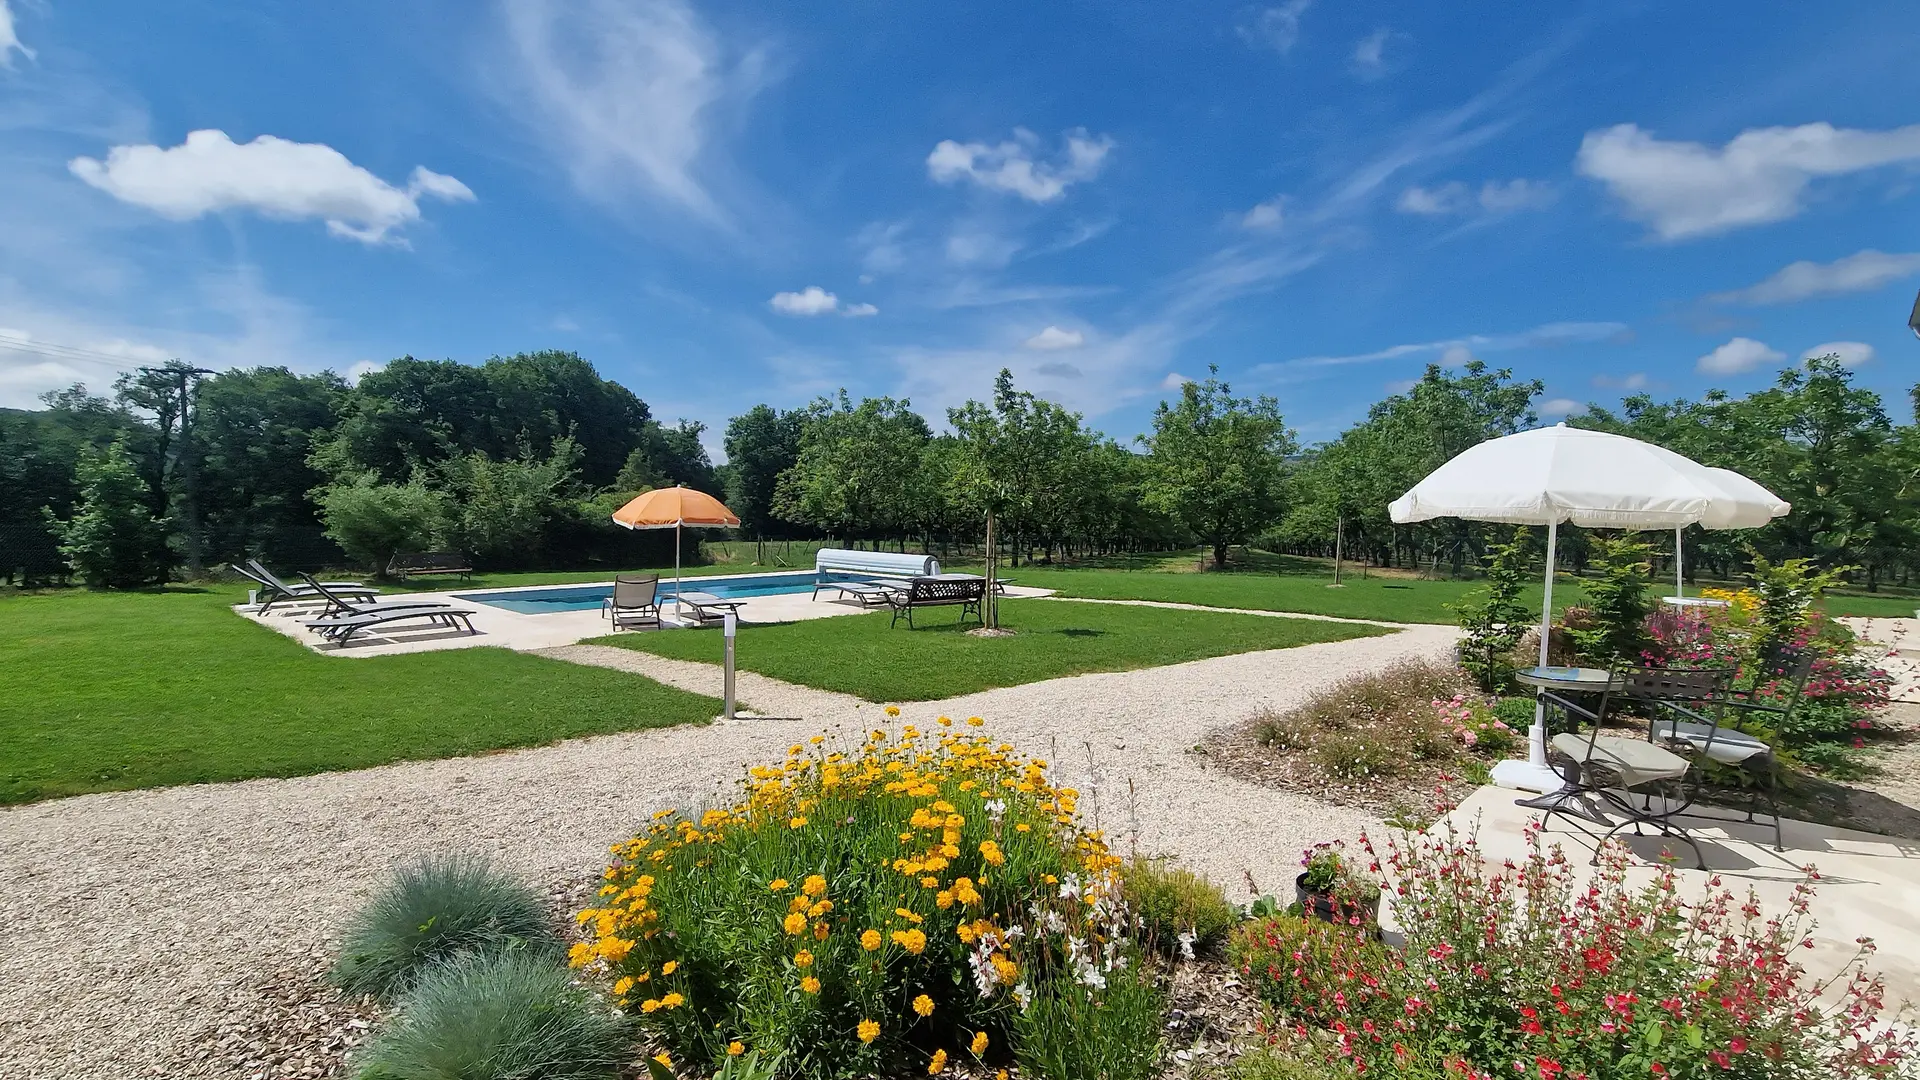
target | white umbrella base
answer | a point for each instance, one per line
(1526, 776)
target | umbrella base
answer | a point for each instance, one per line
(1525, 776)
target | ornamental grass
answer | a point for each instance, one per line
(900, 904)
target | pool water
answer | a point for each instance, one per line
(548, 599)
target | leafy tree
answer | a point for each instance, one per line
(1217, 463)
(112, 540)
(860, 468)
(500, 511)
(761, 443)
(255, 429)
(667, 456)
(372, 520)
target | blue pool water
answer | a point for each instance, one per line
(547, 599)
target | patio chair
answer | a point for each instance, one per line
(635, 601)
(1597, 769)
(1729, 747)
(272, 590)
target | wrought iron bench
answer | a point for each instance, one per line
(944, 590)
(430, 562)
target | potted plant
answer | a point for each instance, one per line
(1330, 888)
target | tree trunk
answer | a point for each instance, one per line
(991, 600)
(1219, 555)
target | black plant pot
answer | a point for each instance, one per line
(1319, 905)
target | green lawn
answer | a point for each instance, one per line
(1886, 605)
(861, 655)
(108, 691)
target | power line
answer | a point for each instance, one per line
(55, 351)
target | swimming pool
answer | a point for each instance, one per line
(549, 599)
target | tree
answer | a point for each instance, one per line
(860, 468)
(500, 511)
(1217, 463)
(1493, 617)
(112, 540)
(255, 429)
(761, 443)
(372, 520)
(667, 456)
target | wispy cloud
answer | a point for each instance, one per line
(1851, 353)
(1454, 198)
(1687, 189)
(1456, 350)
(1804, 280)
(1276, 28)
(814, 300)
(1370, 54)
(631, 97)
(10, 38)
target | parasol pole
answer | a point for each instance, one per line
(1537, 737)
(1679, 582)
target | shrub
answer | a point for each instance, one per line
(371, 521)
(1277, 1063)
(112, 541)
(1178, 910)
(1073, 1032)
(912, 900)
(435, 909)
(499, 1015)
(1354, 755)
(1617, 603)
(1530, 968)
(1494, 618)
(1515, 712)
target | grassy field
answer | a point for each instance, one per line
(108, 691)
(862, 656)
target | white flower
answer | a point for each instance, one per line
(1070, 888)
(996, 808)
(1187, 939)
(1023, 995)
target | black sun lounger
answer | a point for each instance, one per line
(338, 605)
(341, 630)
(272, 590)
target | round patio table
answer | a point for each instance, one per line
(1579, 680)
(1692, 602)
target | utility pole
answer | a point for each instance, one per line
(186, 380)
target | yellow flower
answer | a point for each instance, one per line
(778, 884)
(820, 908)
(736, 1048)
(939, 1063)
(923, 1005)
(649, 1005)
(810, 984)
(1023, 827)
(979, 1043)
(669, 967)
(870, 940)
(580, 954)
(975, 721)
(990, 851)
(869, 1030)
(796, 823)
(820, 931)
(908, 915)
(795, 924)
(621, 986)
(946, 721)
(914, 941)
(929, 882)
(672, 1001)
(815, 885)
(803, 958)
(665, 1059)
(893, 710)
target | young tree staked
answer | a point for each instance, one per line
(1218, 463)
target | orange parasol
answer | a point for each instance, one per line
(673, 508)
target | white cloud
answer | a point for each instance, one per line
(1012, 166)
(814, 300)
(1804, 280)
(628, 95)
(1635, 381)
(1685, 189)
(1174, 381)
(1276, 28)
(363, 368)
(1494, 197)
(1263, 216)
(1557, 406)
(1851, 353)
(1455, 356)
(974, 246)
(1055, 338)
(273, 177)
(1369, 54)
(1738, 355)
(10, 38)
(883, 251)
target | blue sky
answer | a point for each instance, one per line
(721, 204)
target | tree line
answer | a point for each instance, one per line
(520, 461)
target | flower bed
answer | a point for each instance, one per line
(929, 899)
(1524, 970)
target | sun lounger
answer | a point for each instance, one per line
(339, 604)
(635, 602)
(340, 630)
(868, 593)
(272, 590)
(705, 606)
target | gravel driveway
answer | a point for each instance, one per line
(134, 927)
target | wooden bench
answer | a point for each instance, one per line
(943, 590)
(424, 563)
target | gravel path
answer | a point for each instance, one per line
(135, 926)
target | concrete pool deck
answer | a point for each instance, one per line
(499, 628)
